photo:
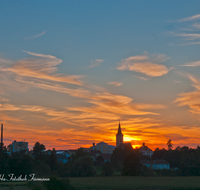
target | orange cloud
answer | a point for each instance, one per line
(115, 83)
(142, 78)
(88, 125)
(137, 130)
(57, 88)
(2, 60)
(4, 99)
(5, 118)
(146, 64)
(191, 99)
(42, 68)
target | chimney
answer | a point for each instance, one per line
(1, 136)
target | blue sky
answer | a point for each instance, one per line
(74, 68)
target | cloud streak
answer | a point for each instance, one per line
(196, 25)
(192, 18)
(35, 36)
(146, 64)
(96, 63)
(4, 99)
(2, 60)
(116, 83)
(189, 36)
(192, 64)
(42, 68)
(185, 44)
(191, 99)
(142, 78)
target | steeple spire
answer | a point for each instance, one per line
(119, 129)
(119, 136)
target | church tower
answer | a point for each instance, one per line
(119, 136)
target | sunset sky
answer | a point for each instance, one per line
(70, 70)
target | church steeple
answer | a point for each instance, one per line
(119, 136)
(119, 129)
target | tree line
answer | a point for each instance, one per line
(125, 160)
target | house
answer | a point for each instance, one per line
(111, 148)
(63, 152)
(156, 164)
(160, 164)
(62, 158)
(103, 147)
(18, 146)
(145, 150)
(46, 152)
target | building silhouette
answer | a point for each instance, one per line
(103, 147)
(145, 150)
(18, 146)
(119, 136)
(1, 144)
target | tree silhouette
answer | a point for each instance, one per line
(83, 167)
(53, 160)
(37, 149)
(132, 165)
(107, 168)
(169, 144)
(78, 154)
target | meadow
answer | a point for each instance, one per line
(135, 182)
(124, 183)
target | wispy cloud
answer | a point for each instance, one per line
(82, 93)
(189, 36)
(185, 44)
(196, 25)
(35, 36)
(142, 78)
(192, 18)
(146, 64)
(104, 106)
(191, 31)
(192, 64)
(2, 60)
(116, 83)
(96, 63)
(4, 99)
(42, 68)
(191, 99)
(6, 118)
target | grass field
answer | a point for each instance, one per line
(128, 183)
(15, 188)
(125, 183)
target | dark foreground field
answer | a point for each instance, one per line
(128, 183)
(124, 183)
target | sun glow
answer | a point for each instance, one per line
(132, 141)
(136, 146)
(127, 138)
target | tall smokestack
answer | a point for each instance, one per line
(1, 136)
